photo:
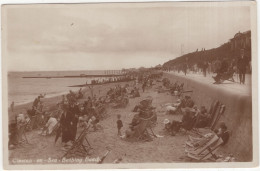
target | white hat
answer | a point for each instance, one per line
(166, 121)
(171, 108)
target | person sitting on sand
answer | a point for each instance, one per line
(222, 132)
(135, 93)
(94, 122)
(36, 101)
(83, 120)
(50, 125)
(172, 127)
(187, 102)
(21, 119)
(202, 118)
(188, 119)
(94, 116)
(171, 108)
(184, 101)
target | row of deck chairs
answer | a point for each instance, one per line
(207, 150)
(28, 125)
(217, 109)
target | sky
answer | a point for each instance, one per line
(113, 36)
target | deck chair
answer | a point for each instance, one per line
(79, 148)
(55, 129)
(144, 129)
(225, 76)
(206, 151)
(213, 107)
(201, 146)
(140, 129)
(213, 110)
(102, 111)
(217, 116)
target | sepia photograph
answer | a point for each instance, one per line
(129, 85)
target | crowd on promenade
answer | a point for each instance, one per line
(220, 66)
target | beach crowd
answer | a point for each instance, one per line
(77, 111)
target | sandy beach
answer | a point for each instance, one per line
(164, 148)
(151, 84)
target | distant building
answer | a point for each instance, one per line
(241, 41)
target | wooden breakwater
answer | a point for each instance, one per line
(107, 73)
(75, 76)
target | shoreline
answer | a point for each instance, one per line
(52, 101)
(51, 95)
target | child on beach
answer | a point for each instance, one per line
(119, 124)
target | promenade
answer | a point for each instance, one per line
(232, 87)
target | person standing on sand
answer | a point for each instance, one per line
(12, 106)
(119, 124)
(66, 122)
(74, 109)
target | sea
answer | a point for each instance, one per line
(24, 90)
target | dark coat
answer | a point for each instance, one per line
(242, 63)
(66, 126)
